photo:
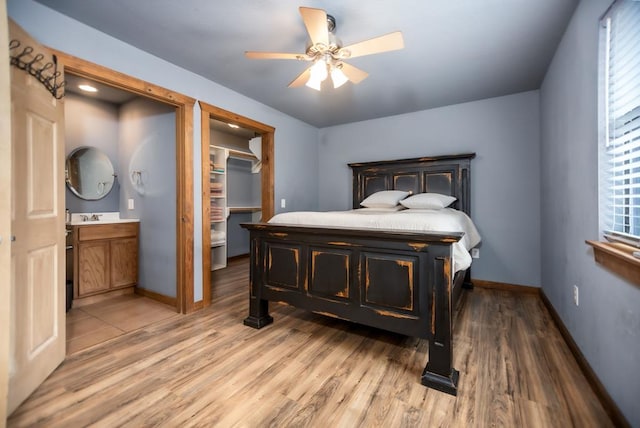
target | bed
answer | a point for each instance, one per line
(396, 280)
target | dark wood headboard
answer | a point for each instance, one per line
(449, 175)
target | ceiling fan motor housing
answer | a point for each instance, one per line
(319, 49)
(331, 23)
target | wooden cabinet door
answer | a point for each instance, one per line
(93, 267)
(124, 262)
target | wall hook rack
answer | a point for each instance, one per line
(47, 74)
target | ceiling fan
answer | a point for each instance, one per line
(326, 52)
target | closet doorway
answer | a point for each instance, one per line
(266, 133)
(183, 106)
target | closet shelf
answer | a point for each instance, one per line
(234, 210)
(242, 155)
(218, 243)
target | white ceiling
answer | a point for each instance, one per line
(118, 97)
(104, 92)
(455, 50)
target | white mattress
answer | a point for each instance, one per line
(413, 220)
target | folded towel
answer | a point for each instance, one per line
(217, 235)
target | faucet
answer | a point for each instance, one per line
(84, 217)
(95, 217)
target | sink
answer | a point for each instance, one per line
(77, 219)
(88, 222)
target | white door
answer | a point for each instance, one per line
(37, 343)
(5, 208)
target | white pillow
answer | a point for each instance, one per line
(433, 201)
(384, 199)
(382, 209)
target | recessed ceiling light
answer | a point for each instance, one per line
(87, 88)
(233, 125)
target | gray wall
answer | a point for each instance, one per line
(237, 237)
(243, 190)
(505, 201)
(147, 144)
(606, 325)
(94, 123)
(243, 187)
(295, 161)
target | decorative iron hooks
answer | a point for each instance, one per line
(47, 74)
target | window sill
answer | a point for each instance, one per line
(618, 258)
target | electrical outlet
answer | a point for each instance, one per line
(283, 203)
(475, 253)
(130, 204)
(576, 295)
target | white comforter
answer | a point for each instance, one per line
(414, 220)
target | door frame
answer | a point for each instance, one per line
(184, 164)
(208, 112)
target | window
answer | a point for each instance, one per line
(620, 123)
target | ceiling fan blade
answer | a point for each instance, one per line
(354, 74)
(301, 79)
(276, 55)
(388, 42)
(316, 22)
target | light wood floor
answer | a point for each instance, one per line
(207, 369)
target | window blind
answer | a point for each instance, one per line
(620, 169)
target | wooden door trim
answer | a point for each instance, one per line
(184, 159)
(267, 133)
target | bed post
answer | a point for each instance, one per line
(439, 372)
(258, 307)
(258, 313)
(467, 283)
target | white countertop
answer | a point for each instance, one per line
(103, 218)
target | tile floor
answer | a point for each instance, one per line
(96, 323)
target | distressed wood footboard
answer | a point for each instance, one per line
(396, 281)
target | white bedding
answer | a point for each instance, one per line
(413, 220)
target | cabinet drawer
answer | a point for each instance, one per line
(106, 231)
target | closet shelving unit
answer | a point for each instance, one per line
(218, 199)
(220, 210)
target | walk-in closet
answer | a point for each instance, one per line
(235, 189)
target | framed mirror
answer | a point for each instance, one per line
(89, 173)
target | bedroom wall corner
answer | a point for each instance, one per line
(504, 132)
(606, 324)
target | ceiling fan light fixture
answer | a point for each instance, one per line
(338, 78)
(327, 52)
(318, 74)
(319, 70)
(314, 83)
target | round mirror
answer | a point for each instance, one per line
(89, 173)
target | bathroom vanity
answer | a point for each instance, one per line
(104, 247)
(105, 256)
